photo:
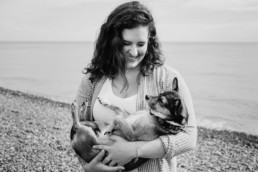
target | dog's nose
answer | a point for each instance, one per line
(147, 97)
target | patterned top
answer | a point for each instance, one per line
(160, 80)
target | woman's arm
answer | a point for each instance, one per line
(184, 141)
(168, 146)
(150, 149)
(96, 165)
(84, 91)
(122, 151)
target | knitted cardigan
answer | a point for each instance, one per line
(158, 81)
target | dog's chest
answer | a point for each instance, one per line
(141, 120)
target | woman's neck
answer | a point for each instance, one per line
(122, 90)
(130, 74)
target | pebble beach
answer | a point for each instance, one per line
(34, 134)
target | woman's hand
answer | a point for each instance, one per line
(120, 153)
(97, 166)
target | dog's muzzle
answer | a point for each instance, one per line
(169, 126)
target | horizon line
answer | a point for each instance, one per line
(3, 41)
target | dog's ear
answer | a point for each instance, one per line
(175, 84)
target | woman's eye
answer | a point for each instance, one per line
(126, 43)
(141, 44)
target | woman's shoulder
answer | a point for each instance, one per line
(86, 77)
(86, 82)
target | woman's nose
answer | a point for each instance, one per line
(133, 51)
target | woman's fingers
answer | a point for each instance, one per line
(99, 157)
(117, 168)
(107, 160)
(115, 138)
(103, 147)
(112, 163)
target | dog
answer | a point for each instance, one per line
(166, 114)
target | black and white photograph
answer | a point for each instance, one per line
(124, 85)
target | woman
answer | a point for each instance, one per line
(127, 65)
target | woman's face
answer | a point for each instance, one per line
(135, 43)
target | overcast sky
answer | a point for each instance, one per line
(176, 20)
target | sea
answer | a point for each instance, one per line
(222, 77)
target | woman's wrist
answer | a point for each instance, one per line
(136, 150)
(149, 149)
(138, 146)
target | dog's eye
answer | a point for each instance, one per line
(163, 100)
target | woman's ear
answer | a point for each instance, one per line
(175, 84)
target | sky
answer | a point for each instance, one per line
(176, 20)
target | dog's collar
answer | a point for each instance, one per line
(169, 126)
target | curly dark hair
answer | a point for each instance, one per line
(108, 58)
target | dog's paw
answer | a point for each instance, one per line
(74, 105)
(82, 108)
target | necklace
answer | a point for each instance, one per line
(119, 89)
(122, 90)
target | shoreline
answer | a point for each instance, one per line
(65, 104)
(35, 133)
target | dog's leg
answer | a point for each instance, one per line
(85, 108)
(91, 124)
(75, 115)
(119, 126)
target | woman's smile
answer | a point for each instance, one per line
(132, 59)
